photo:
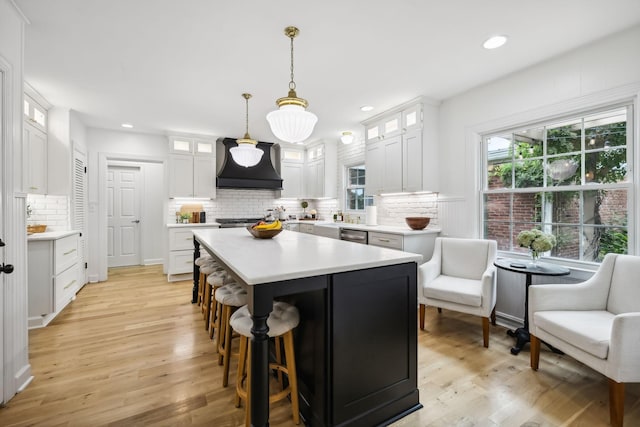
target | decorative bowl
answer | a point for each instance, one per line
(264, 234)
(417, 222)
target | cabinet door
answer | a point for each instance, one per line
(292, 181)
(412, 117)
(392, 176)
(36, 160)
(385, 240)
(374, 164)
(313, 174)
(204, 177)
(180, 176)
(391, 126)
(180, 239)
(412, 160)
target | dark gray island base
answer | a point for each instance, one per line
(356, 345)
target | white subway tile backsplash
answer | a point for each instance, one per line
(53, 211)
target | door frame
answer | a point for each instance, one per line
(103, 161)
(139, 171)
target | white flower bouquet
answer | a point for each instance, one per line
(536, 241)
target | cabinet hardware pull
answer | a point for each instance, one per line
(33, 188)
(71, 251)
(70, 283)
(384, 240)
(188, 238)
(188, 262)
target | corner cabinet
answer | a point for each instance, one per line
(192, 168)
(401, 150)
(418, 243)
(54, 274)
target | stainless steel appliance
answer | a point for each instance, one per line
(236, 222)
(358, 236)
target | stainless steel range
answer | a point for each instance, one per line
(236, 222)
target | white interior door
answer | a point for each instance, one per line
(80, 207)
(123, 216)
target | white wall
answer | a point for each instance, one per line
(148, 151)
(14, 346)
(604, 65)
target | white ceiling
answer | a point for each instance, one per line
(181, 66)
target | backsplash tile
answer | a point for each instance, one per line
(50, 210)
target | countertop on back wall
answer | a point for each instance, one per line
(193, 225)
(403, 230)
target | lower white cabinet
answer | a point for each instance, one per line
(420, 243)
(307, 228)
(179, 263)
(54, 275)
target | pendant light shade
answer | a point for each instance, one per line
(291, 122)
(246, 153)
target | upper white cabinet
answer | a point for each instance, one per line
(401, 150)
(192, 173)
(35, 142)
(291, 171)
(321, 170)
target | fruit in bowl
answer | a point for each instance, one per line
(417, 222)
(265, 230)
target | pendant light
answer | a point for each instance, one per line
(246, 153)
(291, 122)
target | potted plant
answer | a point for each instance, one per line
(185, 218)
(304, 205)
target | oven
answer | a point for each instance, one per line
(358, 236)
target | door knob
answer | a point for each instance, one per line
(6, 269)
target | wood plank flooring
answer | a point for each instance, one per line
(133, 351)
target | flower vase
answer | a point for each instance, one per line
(534, 258)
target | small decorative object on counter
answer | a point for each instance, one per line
(313, 213)
(338, 217)
(537, 242)
(265, 230)
(417, 222)
(185, 218)
(304, 205)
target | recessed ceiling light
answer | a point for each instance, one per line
(366, 108)
(127, 125)
(494, 42)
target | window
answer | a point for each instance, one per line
(567, 177)
(355, 200)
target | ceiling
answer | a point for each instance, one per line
(170, 66)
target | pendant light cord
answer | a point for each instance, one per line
(292, 84)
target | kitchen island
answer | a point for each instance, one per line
(356, 345)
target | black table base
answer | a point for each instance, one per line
(522, 337)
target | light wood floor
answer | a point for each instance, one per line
(133, 351)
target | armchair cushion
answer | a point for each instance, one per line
(590, 331)
(465, 258)
(455, 289)
(624, 297)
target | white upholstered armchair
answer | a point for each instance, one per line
(460, 277)
(597, 322)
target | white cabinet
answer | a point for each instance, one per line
(420, 243)
(192, 176)
(192, 168)
(35, 141)
(321, 170)
(307, 228)
(398, 157)
(292, 226)
(54, 275)
(179, 263)
(292, 170)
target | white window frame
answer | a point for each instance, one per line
(348, 186)
(630, 186)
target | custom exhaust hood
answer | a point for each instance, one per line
(264, 175)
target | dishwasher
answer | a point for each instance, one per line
(358, 236)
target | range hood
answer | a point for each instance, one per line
(264, 175)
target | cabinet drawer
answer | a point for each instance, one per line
(181, 262)
(306, 228)
(393, 241)
(66, 253)
(180, 238)
(65, 285)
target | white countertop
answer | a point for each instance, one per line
(52, 235)
(293, 255)
(193, 225)
(405, 231)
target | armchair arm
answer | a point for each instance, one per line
(428, 271)
(489, 289)
(624, 348)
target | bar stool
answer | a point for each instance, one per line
(230, 297)
(205, 270)
(281, 322)
(203, 259)
(210, 306)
